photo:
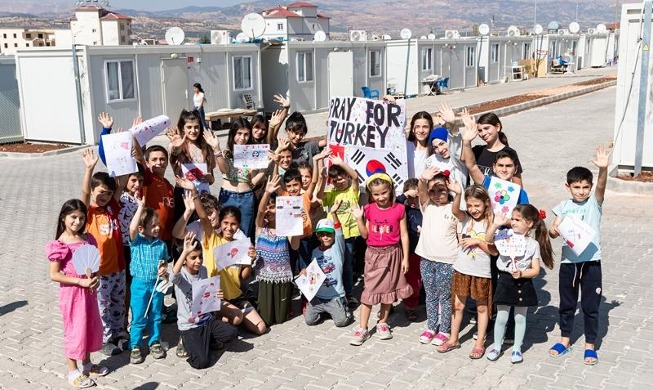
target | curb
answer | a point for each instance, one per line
(49, 153)
(630, 187)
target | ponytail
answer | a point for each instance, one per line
(530, 213)
(491, 118)
(503, 137)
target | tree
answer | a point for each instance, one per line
(205, 39)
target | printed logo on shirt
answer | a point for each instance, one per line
(327, 266)
(107, 228)
(382, 227)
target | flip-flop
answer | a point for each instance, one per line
(560, 350)
(448, 347)
(477, 353)
(590, 354)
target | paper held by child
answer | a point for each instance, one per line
(205, 296)
(147, 130)
(251, 156)
(309, 284)
(86, 260)
(511, 245)
(194, 172)
(504, 195)
(232, 253)
(290, 216)
(118, 154)
(576, 233)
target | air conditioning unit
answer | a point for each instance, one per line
(358, 35)
(220, 37)
(451, 34)
(591, 31)
(513, 31)
(376, 37)
(563, 31)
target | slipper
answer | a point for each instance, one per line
(477, 353)
(590, 354)
(448, 347)
(560, 350)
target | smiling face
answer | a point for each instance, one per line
(194, 261)
(259, 131)
(157, 162)
(381, 194)
(192, 129)
(476, 208)
(229, 226)
(341, 182)
(580, 190)
(518, 224)
(74, 221)
(101, 195)
(295, 137)
(212, 215)
(421, 129)
(294, 188)
(306, 177)
(488, 133)
(285, 159)
(326, 239)
(242, 136)
(134, 183)
(440, 147)
(504, 168)
(151, 228)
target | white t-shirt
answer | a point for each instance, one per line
(473, 261)
(524, 262)
(197, 99)
(438, 240)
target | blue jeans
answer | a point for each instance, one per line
(348, 266)
(244, 201)
(141, 291)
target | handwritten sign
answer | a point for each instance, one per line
(370, 135)
(205, 299)
(193, 172)
(145, 131)
(309, 284)
(504, 195)
(511, 245)
(232, 253)
(289, 218)
(118, 154)
(576, 233)
(251, 156)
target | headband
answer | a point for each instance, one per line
(380, 175)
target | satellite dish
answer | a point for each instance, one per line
(242, 38)
(405, 34)
(574, 27)
(538, 29)
(253, 25)
(601, 28)
(431, 36)
(484, 29)
(175, 36)
(422, 37)
(386, 37)
(553, 26)
(319, 36)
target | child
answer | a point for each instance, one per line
(447, 149)
(149, 256)
(264, 132)
(273, 270)
(410, 199)
(198, 103)
(317, 210)
(283, 158)
(199, 333)
(212, 209)
(330, 297)
(582, 270)
(100, 193)
(417, 146)
(438, 248)
(82, 326)
(515, 282)
(296, 130)
(346, 192)
(471, 275)
(386, 260)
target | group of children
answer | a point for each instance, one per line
(437, 235)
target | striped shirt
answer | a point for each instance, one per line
(145, 257)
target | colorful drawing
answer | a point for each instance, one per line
(147, 130)
(232, 253)
(194, 172)
(511, 245)
(118, 153)
(251, 156)
(290, 216)
(309, 283)
(576, 233)
(504, 195)
(205, 297)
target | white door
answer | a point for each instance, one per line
(341, 74)
(174, 84)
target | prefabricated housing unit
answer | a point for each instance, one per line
(61, 101)
(453, 58)
(10, 130)
(498, 55)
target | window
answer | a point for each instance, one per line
(15, 45)
(6, 46)
(15, 36)
(494, 53)
(29, 36)
(470, 56)
(279, 26)
(242, 72)
(5, 36)
(120, 80)
(527, 51)
(375, 63)
(122, 27)
(427, 60)
(27, 45)
(41, 36)
(304, 66)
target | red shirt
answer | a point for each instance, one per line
(159, 195)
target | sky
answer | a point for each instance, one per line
(145, 5)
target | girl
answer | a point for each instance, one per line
(82, 326)
(438, 248)
(190, 144)
(515, 281)
(264, 132)
(198, 102)
(237, 183)
(273, 270)
(417, 145)
(386, 259)
(446, 145)
(471, 275)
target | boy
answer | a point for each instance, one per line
(330, 298)
(197, 334)
(296, 130)
(149, 256)
(582, 270)
(100, 193)
(346, 192)
(211, 206)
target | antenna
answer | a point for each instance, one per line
(484, 29)
(175, 36)
(405, 33)
(253, 25)
(319, 36)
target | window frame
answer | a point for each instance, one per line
(249, 69)
(427, 54)
(494, 53)
(470, 56)
(308, 75)
(526, 47)
(121, 89)
(379, 64)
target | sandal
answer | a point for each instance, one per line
(95, 369)
(411, 315)
(590, 354)
(81, 381)
(559, 349)
(477, 353)
(448, 347)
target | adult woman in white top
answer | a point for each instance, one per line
(198, 102)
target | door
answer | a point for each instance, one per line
(174, 84)
(341, 74)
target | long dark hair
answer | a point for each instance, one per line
(237, 124)
(419, 115)
(531, 214)
(491, 118)
(186, 116)
(198, 86)
(68, 207)
(258, 118)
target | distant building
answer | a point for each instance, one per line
(96, 26)
(299, 20)
(12, 39)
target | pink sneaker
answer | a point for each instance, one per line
(426, 336)
(440, 339)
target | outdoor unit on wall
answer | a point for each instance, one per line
(591, 31)
(513, 31)
(358, 35)
(451, 34)
(220, 37)
(563, 31)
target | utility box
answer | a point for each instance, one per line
(631, 52)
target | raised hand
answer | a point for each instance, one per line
(90, 158)
(602, 159)
(284, 143)
(176, 140)
(212, 140)
(411, 192)
(429, 173)
(184, 183)
(501, 219)
(189, 242)
(189, 201)
(336, 160)
(469, 123)
(275, 119)
(284, 102)
(446, 112)
(454, 186)
(137, 121)
(390, 99)
(274, 183)
(336, 206)
(357, 211)
(106, 120)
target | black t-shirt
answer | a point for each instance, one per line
(485, 159)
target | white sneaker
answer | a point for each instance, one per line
(359, 337)
(384, 331)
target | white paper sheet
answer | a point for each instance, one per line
(576, 233)
(251, 156)
(309, 284)
(504, 195)
(289, 218)
(205, 298)
(232, 253)
(193, 172)
(118, 153)
(147, 130)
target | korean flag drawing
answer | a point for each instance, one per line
(368, 161)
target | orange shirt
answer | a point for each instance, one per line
(102, 223)
(159, 195)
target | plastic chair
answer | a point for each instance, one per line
(443, 83)
(371, 93)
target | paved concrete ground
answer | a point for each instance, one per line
(549, 139)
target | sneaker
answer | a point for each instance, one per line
(352, 302)
(110, 349)
(440, 338)
(79, 380)
(181, 350)
(157, 351)
(359, 337)
(135, 356)
(94, 369)
(426, 336)
(383, 331)
(516, 357)
(493, 354)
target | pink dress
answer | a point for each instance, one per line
(82, 326)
